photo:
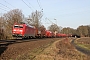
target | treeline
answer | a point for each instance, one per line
(83, 30)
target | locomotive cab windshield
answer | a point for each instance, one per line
(18, 26)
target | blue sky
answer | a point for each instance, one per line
(68, 13)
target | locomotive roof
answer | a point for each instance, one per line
(25, 24)
(30, 26)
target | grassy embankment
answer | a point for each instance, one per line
(83, 43)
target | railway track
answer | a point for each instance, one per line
(14, 41)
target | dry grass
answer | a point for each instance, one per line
(32, 54)
(84, 43)
(48, 53)
(61, 50)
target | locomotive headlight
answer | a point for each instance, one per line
(14, 30)
(21, 30)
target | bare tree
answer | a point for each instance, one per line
(68, 30)
(54, 28)
(35, 19)
(1, 28)
(14, 16)
(89, 30)
(83, 30)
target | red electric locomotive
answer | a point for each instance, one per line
(23, 30)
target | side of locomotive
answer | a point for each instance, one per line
(23, 31)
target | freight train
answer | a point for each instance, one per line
(27, 31)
